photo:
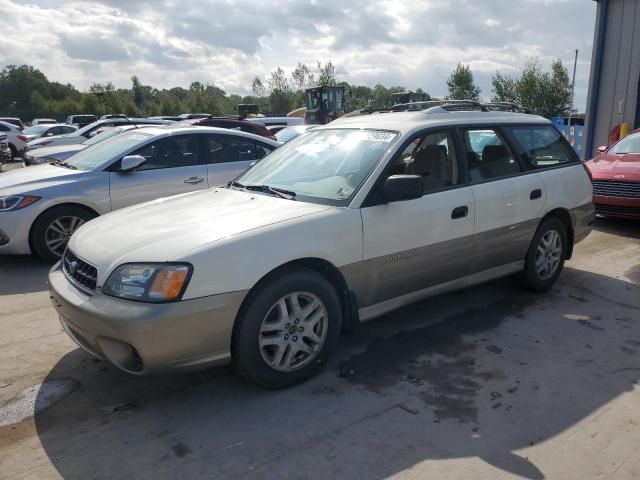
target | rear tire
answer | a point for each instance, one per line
(286, 329)
(52, 230)
(546, 255)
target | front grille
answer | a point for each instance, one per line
(612, 188)
(616, 210)
(82, 274)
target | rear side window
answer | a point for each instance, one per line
(488, 155)
(543, 146)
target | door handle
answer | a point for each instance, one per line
(194, 180)
(460, 212)
(537, 193)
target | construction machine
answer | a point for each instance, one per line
(324, 104)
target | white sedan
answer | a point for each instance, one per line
(41, 206)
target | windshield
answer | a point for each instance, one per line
(36, 129)
(94, 156)
(324, 166)
(84, 129)
(629, 144)
(102, 136)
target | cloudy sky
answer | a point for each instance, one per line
(414, 43)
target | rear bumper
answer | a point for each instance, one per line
(582, 219)
(142, 338)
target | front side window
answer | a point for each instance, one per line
(431, 157)
(94, 156)
(170, 152)
(324, 166)
(488, 156)
(629, 144)
(543, 146)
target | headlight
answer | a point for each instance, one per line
(16, 202)
(149, 282)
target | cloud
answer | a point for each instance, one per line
(228, 42)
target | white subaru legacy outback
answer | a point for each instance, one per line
(347, 222)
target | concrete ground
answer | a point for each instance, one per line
(488, 383)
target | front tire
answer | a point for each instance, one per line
(546, 255)
(53, 229)
(286, 329)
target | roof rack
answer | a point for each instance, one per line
(507, 107)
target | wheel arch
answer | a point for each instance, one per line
(331, 273)
(564, 216)
(52, 207)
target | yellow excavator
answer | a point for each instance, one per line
(323, 105)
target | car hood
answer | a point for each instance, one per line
(607, 166)
(26, 180)
(57, 149)
(168, 228)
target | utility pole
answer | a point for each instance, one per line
(573, 85)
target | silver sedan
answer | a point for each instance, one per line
(41, 206)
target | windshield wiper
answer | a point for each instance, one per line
(66, 164)
(277, 192)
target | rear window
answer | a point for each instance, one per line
(543, 146)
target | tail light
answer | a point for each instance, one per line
(21, 137)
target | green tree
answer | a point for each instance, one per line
(461, 85)
(328, 74)
(546, 93)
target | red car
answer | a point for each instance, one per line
(615, 174)
(232, 123)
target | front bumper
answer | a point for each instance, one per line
(144, 338)
(617, 206)
(16, 227)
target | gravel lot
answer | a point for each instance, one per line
(488, 383)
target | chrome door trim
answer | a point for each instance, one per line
(374, 311)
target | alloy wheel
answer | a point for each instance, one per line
(548, 254)
(293, 331)
(59, 232)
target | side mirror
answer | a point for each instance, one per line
(48, 134)
(603, 148)
(403, 187)
(131, 162)
(93, 134)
